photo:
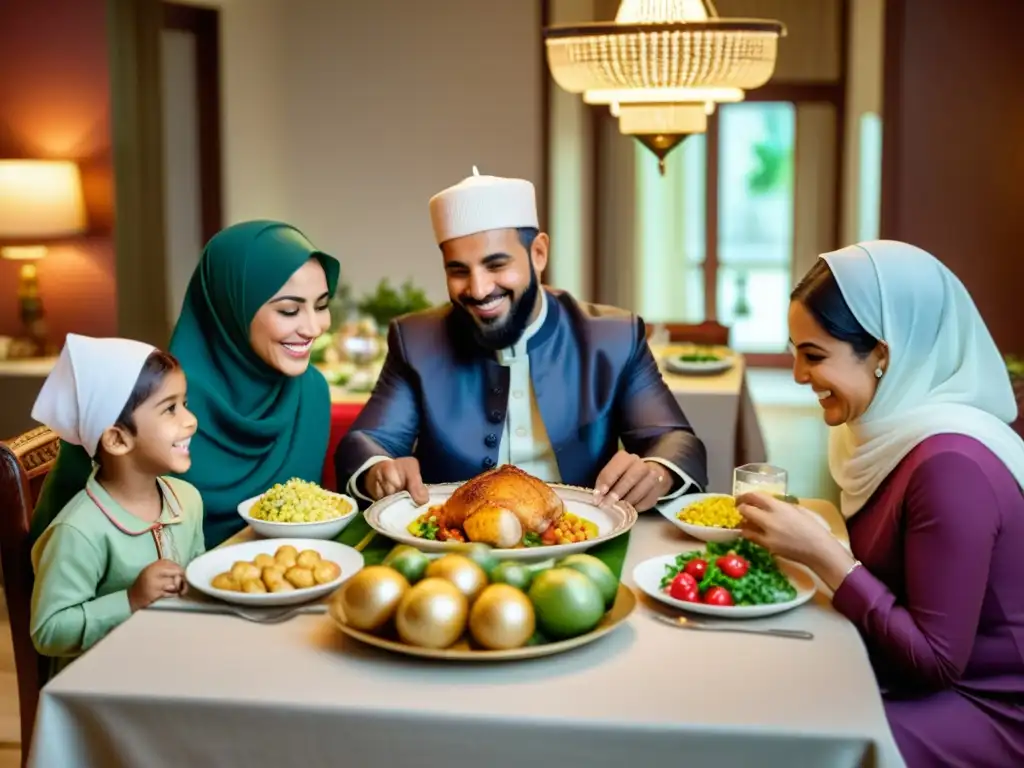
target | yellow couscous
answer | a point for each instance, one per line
(298, 501)
(714, 512)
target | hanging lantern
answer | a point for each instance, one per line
(663, 65)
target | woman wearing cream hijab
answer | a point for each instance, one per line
(919, 402)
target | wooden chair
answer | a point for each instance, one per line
(24, 463)
(709, 333)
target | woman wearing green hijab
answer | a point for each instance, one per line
(256, 301)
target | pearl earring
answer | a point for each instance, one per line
(879, 372)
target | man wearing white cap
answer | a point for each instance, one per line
(513, 373)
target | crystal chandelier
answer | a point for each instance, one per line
(663, 65)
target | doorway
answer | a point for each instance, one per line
(190, 74)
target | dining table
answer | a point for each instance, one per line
(171, 688)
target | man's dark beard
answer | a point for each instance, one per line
(506, 331)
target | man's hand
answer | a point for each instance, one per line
(164, 578)
(634, 479)
(388, 477)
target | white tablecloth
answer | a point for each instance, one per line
(190, 689)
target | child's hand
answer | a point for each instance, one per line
(164, 578)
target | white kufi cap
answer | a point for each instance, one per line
(481, 203)
(89, 387)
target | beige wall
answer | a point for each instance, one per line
(345, 117)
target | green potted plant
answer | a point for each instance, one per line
(387, 302)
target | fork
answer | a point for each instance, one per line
(681, 622)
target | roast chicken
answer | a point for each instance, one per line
(500, 507)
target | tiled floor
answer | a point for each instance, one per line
(796, 439)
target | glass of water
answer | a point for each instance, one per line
(762, 478)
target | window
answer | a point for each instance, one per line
(767, 168)
(755, 222)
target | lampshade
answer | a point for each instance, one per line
(40, 200)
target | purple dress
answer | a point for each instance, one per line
(940, 604)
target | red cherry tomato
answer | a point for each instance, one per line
(718, 596)
(697, 568)
(733, 565)
(684, 587)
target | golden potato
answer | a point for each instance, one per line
(300, 578)
(243, 571)
(281, 586)
(263, 560)
(308, 558)
(272, 574)
(226, 582)
(326, 571)
(286, 551)
(253, 585)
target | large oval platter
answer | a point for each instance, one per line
(392, 515)
(625, 603)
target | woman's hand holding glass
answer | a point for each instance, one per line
(792, 532)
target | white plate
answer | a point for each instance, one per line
(648, 575)
(203, 569)
(675, 364)
(671, 509)
(392, 515)
(325, 529)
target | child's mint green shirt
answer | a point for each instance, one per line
(90, 555)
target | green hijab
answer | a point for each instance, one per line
(257, 426)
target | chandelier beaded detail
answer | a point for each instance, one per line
(663, 65)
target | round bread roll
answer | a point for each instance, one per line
(300, 578)
(226, 582)
(253, 586)
(273, 574)
(326, 572)
(263, 560)
(308, 558)
(242, 571)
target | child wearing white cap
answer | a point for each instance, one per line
(121, 543)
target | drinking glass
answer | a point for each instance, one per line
(763, 478)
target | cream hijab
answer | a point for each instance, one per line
(945, 374)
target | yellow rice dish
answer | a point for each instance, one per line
(298, 501)
(715, 512)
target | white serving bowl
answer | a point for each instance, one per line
(708, 533)
(326, 529)
(702, 532)
(201, 571)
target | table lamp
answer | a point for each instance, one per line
(40, 201)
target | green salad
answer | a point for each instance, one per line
(737, 573)
(699, 357)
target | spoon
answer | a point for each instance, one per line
(681, 622)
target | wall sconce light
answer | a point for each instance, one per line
(40, 201)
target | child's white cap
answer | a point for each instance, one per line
(89, 387)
